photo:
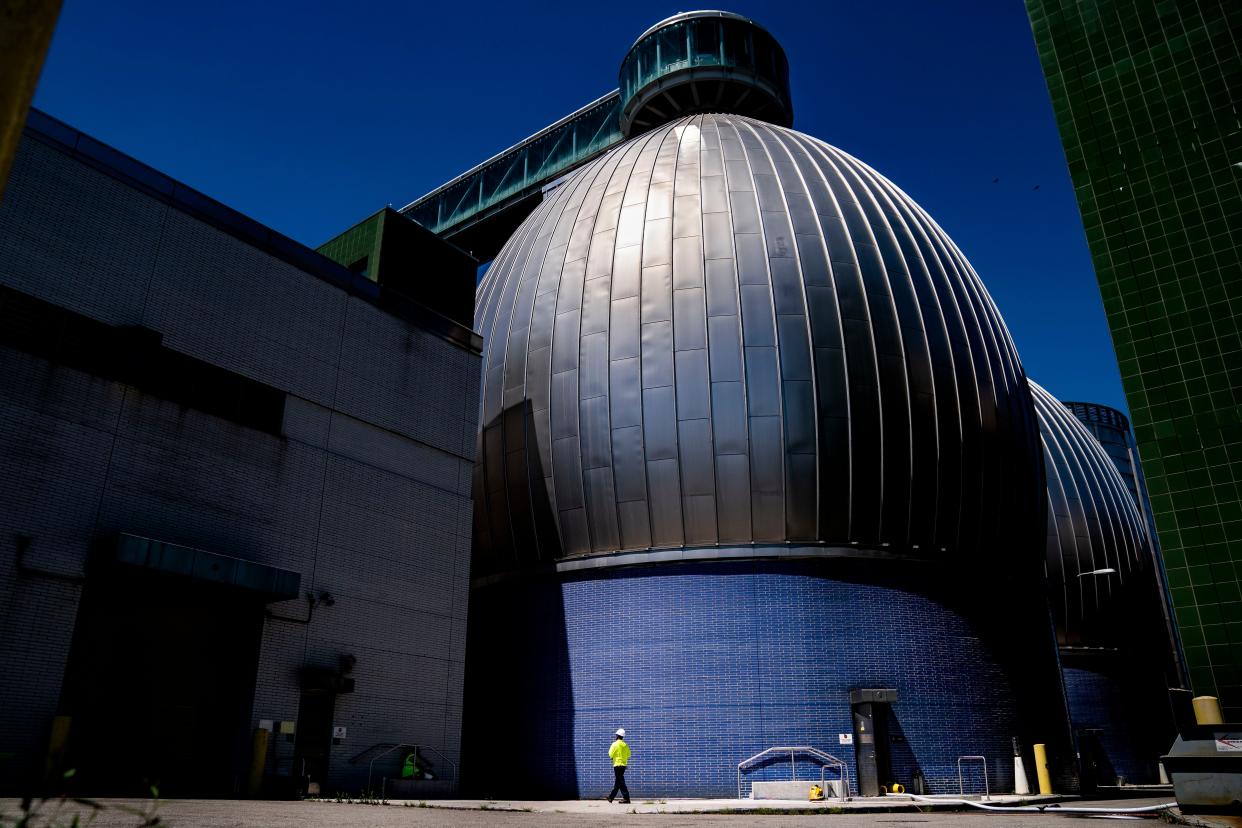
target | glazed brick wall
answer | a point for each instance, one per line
(365, 493)
(708, 664)
(1104, 698)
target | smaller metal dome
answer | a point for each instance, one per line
(1093, 526)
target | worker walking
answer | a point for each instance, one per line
(619, 753)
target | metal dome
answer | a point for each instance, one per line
(1093, 525)
(725, 334)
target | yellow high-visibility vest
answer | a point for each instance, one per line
(619, 753)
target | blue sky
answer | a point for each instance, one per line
(309, 116)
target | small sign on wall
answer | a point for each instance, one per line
(338, 734)
(845, 738)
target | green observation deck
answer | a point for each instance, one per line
(700, 61)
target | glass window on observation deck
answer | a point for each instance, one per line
(705, 42)
(673, 48)
(737, 46)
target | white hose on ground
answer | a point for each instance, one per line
(1053, 807)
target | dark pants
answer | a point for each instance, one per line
(619, 773)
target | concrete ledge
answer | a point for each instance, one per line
(793, 789)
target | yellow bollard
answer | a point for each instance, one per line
(53, 766)
(1041, 770)
(258, 761)
(1207, 710)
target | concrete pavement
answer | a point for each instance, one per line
(661, 813)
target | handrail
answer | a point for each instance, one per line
(391, 747)
(826, 760)
(983, 760)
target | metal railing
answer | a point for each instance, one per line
(826, 760)
(389, 747)
(982, 760)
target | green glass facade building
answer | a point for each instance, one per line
(1146, 95)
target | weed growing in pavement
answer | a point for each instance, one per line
(50, 812)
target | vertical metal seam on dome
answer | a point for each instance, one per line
(664, 131)
(496, 317)
(1004, 370)
(808, 160)
(939, 278)
(491, 316)
(693, 125)
(625, 162)
(1007, 360)
(529, 243)
(1101, 490)
(839, 180)
(1111, 491)
(605, 170)
(622, 153)
(1078, 518)
(531, 276)
(976, 347)
(707, 338)
(864, 175)
(910, 249)
(633, 154)
(1055, 486)
(806, 312)
(750, 495)
(776, 349)
(606, 163)
(1118, 521)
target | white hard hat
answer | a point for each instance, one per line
(621, 732)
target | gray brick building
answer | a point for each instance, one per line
(234, 491)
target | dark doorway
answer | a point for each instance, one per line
(314, 738)
(872, 755)
(160, 685)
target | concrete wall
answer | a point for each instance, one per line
(365, 492)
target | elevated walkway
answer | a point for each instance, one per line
(480, 208)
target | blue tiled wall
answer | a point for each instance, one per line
(1104, 697)
(708, 664)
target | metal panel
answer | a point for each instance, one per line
(635, 524)
(628, 463)
(567, 472)
(664, 483)
(763, 394)
(692, 385)
(688, 261)
(563, 403)
(602, 510)
(733, 497)
(657, 354)
(657, 293)
(724, 343)
(625, 384)
(757, 322)
(729, 417)
(721, 288)
(660, 423)
(752, 259)
(689, 320)
(593, 366)
(596, 446)
(624, 342)
(700, 518)
(698, 470)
